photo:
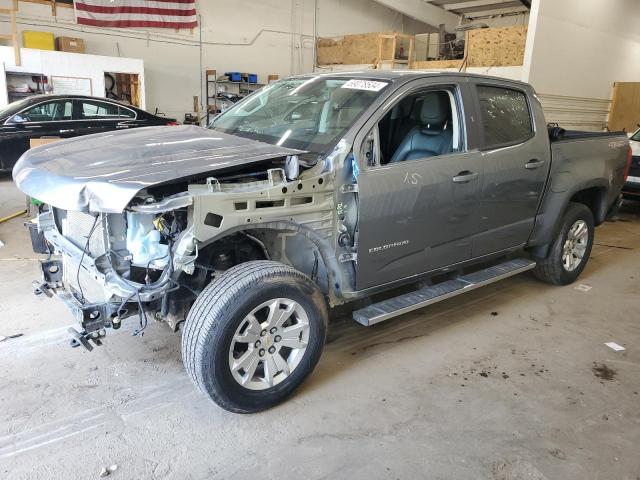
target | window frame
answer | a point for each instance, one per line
(481, 125)
(455, 91)
(30, 107)
(73, 100)
(108, 119)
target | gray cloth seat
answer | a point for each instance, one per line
(433, 135)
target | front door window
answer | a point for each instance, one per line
(58, 110)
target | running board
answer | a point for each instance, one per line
(408, 302)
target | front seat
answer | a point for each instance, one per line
(433, 135)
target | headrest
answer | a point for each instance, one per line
(435, 110)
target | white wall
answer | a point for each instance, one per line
(266, 37)
(582, 46)
(577, 48)
(341, 17)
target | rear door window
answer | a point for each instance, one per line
(95, 110)
(506, 119)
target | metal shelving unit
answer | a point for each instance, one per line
(222, 93)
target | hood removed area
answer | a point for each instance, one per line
(104, 172)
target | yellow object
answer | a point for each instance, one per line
(13, 215)
(39, 40)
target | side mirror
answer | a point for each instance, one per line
(17, 119)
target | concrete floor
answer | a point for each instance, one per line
(512, 381)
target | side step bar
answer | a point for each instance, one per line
(408, 302)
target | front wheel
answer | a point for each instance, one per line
(569, 253)
(253, 335)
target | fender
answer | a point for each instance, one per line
(555, 202)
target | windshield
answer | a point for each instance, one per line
(303, 113)
(636, 136)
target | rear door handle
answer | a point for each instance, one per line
(533, 164)
(465, 177)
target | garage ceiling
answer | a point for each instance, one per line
(481, 8)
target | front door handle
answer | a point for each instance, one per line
(465, 177)
(533, 164)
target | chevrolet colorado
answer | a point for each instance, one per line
(312, 192)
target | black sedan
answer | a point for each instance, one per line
(64, 116)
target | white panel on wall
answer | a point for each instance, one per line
(71, 86)
(64, 64)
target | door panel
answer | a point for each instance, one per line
(47, 119)
(14, 141)
(414, 218)
(514, 175)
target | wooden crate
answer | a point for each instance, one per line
(363, 48)
(496, 47)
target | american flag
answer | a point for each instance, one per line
(137, 13)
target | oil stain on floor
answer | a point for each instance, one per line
(603, 371)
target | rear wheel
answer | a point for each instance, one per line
(569, 253)
(254, 335)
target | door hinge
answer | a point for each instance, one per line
(348, 257)
(349, 188)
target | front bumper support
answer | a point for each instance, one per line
(93, 318)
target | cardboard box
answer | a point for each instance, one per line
(36, 142)
(39, 40)
(70, 44)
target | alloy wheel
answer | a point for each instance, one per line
(269, 344)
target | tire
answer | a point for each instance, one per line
(552, 269)
(223, 325)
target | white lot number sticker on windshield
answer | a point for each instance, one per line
(370, 85)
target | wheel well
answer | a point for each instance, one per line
(285, 246)
(232, 250)
(594, 199)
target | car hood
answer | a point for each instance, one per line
(104, 172)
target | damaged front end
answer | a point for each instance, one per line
(106, 267)
(151, 260)
(128, 211)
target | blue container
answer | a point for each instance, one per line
(253, 78)
(234, 76)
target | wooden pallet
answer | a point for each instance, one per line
(394, 44)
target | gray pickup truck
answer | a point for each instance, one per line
(315, 191)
